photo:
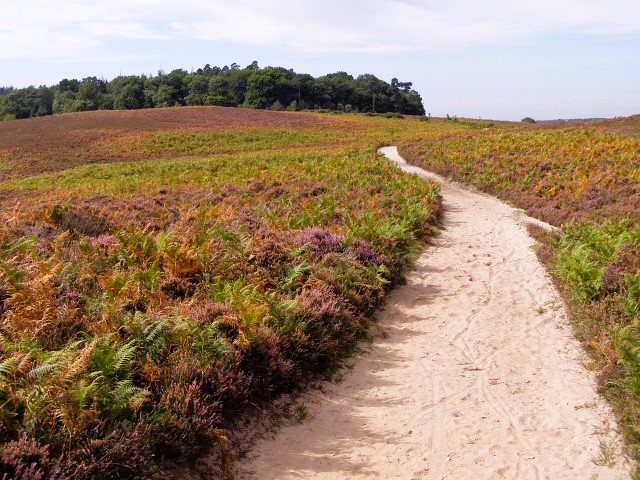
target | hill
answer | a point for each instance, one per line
(163, 270)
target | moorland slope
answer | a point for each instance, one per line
(164, 271)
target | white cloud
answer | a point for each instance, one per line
(64, 30)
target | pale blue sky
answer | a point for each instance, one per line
(492, 59)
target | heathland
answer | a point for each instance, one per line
(163, 271)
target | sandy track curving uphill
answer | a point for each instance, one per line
(478, 377)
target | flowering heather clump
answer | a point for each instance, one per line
(319, 240)
(321, 302)
(364, 252)
(594, 198)
(26, 459)
(330, 322)
(226, 384)
(40, 249)
(206, 312)
(626, 262)
(191, 416)
(270, 251)
(104, 241)
(613, 278)
(270, 370)
(67, 298)
(124, 450)
(79, 220)
(245, 219)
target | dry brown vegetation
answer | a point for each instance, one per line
(556, 174)
(56, 143)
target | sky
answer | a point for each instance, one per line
(499, 59)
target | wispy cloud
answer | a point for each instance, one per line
(64, 30)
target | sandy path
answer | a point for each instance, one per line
(478, 378)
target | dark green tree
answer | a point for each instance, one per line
(218, 91)
(303, 84)
(92, 95)
(67, 85)
(371, 89)
(335, 88)
(268, 86)
(64, 102)
(127, 92)
(412, 103)
(198, 88)
(164, 96)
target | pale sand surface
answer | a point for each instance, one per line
(479, 376)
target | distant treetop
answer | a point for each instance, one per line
(232, 86)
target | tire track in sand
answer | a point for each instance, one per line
(479, 376)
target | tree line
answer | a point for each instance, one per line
(231, 86)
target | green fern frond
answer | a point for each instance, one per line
(125, 395)
(7, 367)
(13, 275)
(295, 277)
(81, 394)
(124, 357)
(44, 369)
(154, 338)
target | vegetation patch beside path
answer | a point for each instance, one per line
(144, 304)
